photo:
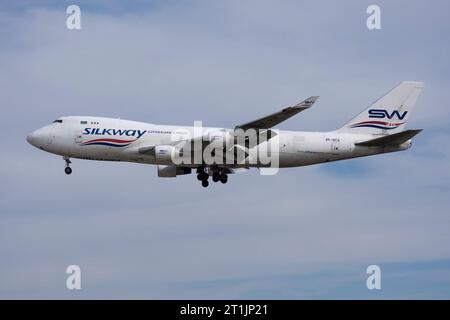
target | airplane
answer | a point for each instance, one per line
(378, 129)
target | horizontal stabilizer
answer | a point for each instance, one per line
(392, 139)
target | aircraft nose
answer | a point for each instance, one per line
(32, 138)
(36, 138)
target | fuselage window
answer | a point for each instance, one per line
(83, 122)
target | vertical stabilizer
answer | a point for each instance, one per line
(388, 114)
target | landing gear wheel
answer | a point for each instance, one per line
(223, 178)
(67, 170)
(201, 174)
(216, 176)
(205, 183)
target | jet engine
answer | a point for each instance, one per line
(223, 135)
(166, 154)
(171, 171)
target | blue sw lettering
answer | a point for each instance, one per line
(382, 113)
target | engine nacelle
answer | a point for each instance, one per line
(223, 135)
(172, 171)
(165, 154)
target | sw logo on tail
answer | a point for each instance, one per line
(382, 113)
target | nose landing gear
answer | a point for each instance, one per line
(67, 169)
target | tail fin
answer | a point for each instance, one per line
(388, 114)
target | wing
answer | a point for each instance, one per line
(278, 117)
(261, 126)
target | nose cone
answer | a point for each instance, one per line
(33, 138)
(38, 138)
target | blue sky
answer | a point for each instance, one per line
(303, 233)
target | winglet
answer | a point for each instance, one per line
(307, 103)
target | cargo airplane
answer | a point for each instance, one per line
(378, 129)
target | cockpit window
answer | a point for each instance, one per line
(57, 121)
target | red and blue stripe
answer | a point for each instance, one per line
(377, 124)
(109, 142)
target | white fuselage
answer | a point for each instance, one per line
(96, 138)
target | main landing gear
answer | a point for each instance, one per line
(202, 176)
(218, 175)
(68, 169)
